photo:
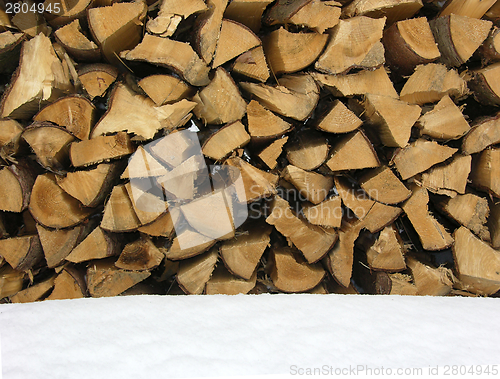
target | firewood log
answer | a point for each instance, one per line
(96, 78)
(247, 12)
(16, 183)
(76, 43)
(394, 10)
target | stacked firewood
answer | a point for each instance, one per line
(249, 146)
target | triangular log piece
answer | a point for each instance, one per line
(247, 12)
(430, 281)
(263, 124)
(140, 255)
(483, 134)
(97, 78)
(16, 183)
(207, 30)
(485, 173)
(448, 179)
(35, 292)
(22, 253)
(165, 89)
(271, 153)
(312, 186)
(194, 273)
(387, 252)
(119, 215)
(486, 86)
(228, 138)
(352, 152)
(327, 214)
(171, 13)
(69, 284)
(252, 64)
(339, 119)
(308, 150)
(76, 43)
(395, 10)
(222, 282)
(384, 186)
(97, 245)
(354, 198)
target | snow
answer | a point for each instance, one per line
(213, 336)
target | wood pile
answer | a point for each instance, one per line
(249, 146)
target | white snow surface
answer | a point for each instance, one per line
(213, 336)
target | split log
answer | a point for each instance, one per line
(478, 264)
(448, 179)
(22, 253)
(376, 82)
(68, 11)
(401, 284)
(263, 124)
(11, 281)
(295, 96)
(339, 119)
(16, 183)
(177, 56)
(308, 150)
(247, 12)
(312, 186)
(69, 284)
(10, 139)
(490, 49)
(121, 30)
(222, 282)
(327, 214)
(474, 8)
(207, 30)
(271, 153)
(484, 85)
(170, 15)
(220, 101)
(470, 211)
(430, 281)
(76, 43)
(313, 241)
(35, 292)
(394, 10)
(485, 173)
(352, 152)
(420, 156)
(50, 144)
(40, 79)
(104, 279)
(97, 78)
(290, 273)
(392, 118)
(165, 89)
(252, 64)
(387, 252)
(194, 273)
(119, 215)
(187, 244)
(409, 43)
(431, 233)
(430, 83)
(163, 226)
(384, 186)
(355, 44)
(99, 149)
(234, 39)
(444, 122)
(291, 52)
(75, 113)
(454, 38)
(482, 135)
(354, 198)
(96, 245)
(140, 255)
(10, 48)
(143, 165)
(379, 216)
(228, 138)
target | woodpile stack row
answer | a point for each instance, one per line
(249, 146)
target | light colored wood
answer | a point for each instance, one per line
(50, 144)
(430, 83)
(143, 165)
(376, 82)
(117, 27)
(129, 111)
(314, 242)
(97, 78)
(54, 208)
(99, 149)
(252, 64)
(448, 179)
(420, 156)
(16, 182)
(485, 85)
(482, 135)
(187, 244)
(234, 40)
(458, 37)
(165, 89)
(140, 255)
(263, 124)
(478, 264)
(351, 44)
(353, 197)
(194, 273)
(40, 79)
(431, 233)
(243, 253)
(394, 10)
(392, 118)
(35, 292)
(97, 245)
(352, 152)
(444, 122)
(119, 215)
(291, 52)
(163, 226)
(384, 186)
(220, 102)
(470, 211)
(225, 140)
(430, 281)
(147, 204)
(312, 186)
(222, 282)
(69, 284)
(387, 252)
(21, 253)
(10, 138)
(247, 12)
(339, 119)
(171, 13)
(485, 173)
(257, 183)
(271, 153)
(175, 55)
(379, 216)
(296, 95)
(11, 281)
(69, 10)
(401, 284)
(290, 273)
(104, 279)
(474, 8)
(179, 183)
(208, 28)
(76, 43)
(327, 214)
(409, 43)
